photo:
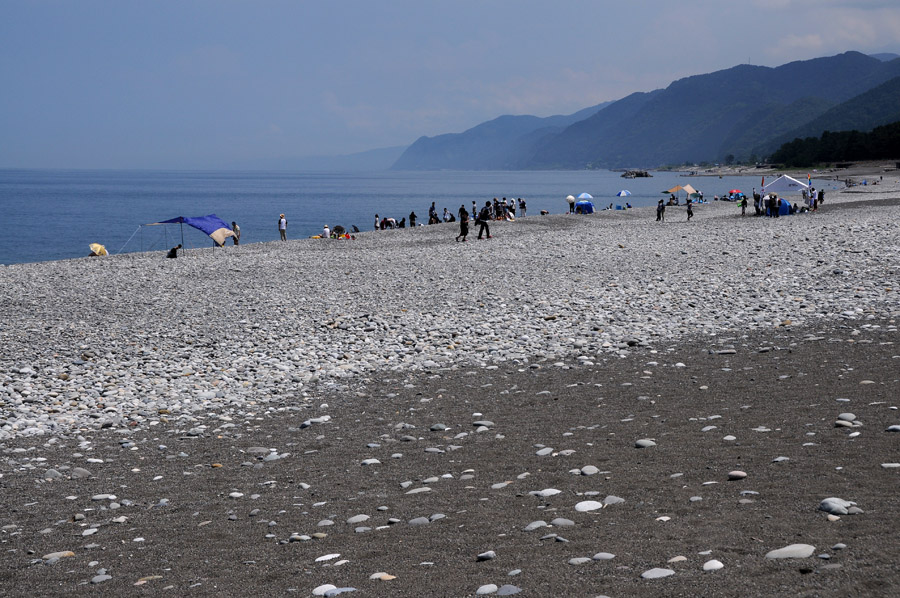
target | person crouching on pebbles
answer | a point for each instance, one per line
(463, 224)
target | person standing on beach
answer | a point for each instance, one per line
(743, 206)
(660, 211)
(376, 221)
(483, 217)
(463, 224)
(282, 227)
(522, 207)
(571, 200)
(412, 219)
(690, 209)
(236, 239)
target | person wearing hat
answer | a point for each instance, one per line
(326, 232)
(282, 227)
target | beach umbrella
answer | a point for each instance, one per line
(623, 193)
(585, 196)
(98, 249)
(735, 191)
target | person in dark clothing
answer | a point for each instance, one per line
(744, 206)
(690, 209)
(484, 217)
(660, 211)
(412, 219)
(463, 225)
(236, 238)
(173, 253)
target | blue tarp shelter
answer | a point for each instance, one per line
(584, 207)
(217, 229)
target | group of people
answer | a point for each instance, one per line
(498, 209)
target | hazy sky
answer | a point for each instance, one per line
(207, 84)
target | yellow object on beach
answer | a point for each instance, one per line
(98, 249)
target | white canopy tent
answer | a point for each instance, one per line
(785, 185)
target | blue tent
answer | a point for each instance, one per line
(784, 208)
(584, 207)
(217, 229)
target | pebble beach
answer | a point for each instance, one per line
(593, 405)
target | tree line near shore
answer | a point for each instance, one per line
(844, 146)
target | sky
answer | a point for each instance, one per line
(214, 84)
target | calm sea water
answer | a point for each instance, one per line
(50, 215)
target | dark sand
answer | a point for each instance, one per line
(196, 550)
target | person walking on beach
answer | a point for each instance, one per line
(660, 211)
(236, 239)
(282, 227)
(463, 224)
(690, 209)
(483, 217)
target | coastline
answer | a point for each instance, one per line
(257, 381)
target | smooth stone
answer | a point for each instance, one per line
(604, 556)
(487, 556)
(562, 522)
(357, 519)
(589, 470)
(338, 591)
(100, 578)
(546, 492)
(487, 588)
(544, 452)
(657, 573)
(535, 525)
(58, 555)
(677, 559)
(612, 500)
(737, 475)
(588, 505)
(712, 565)
(793, 551)
(847, 417)
(644, 443)
(508, 590)
(320, 590)
(420, 521)
(579, 560)
(835, 506)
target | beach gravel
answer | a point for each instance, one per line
(188, 426)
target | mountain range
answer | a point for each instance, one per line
(744, 112)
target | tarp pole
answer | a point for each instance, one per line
(182, 237)
(132, 236)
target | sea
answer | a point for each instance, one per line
(57, 214)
